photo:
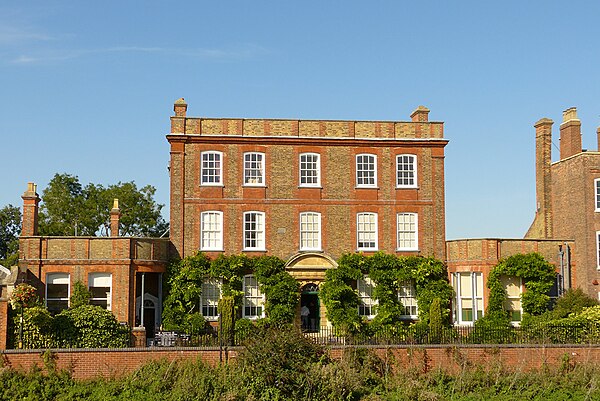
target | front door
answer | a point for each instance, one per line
(309, 308)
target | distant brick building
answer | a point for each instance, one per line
(471, 260)
(306, 191)
(566, 228)
(568, 197)
(117, 270)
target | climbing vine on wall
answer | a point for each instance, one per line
(389, 273)
(184, 286)
(536, 272)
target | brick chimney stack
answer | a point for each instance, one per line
(31, 202)
(180, 107)
(570, 134)
(179, 119)
(421, 114)
(115, 215)
(543, 176)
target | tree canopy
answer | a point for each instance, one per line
(10, 229)
(68, 207)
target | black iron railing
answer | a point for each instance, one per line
(400, 335)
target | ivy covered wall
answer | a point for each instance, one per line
(389, 273)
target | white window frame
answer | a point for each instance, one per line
(360, 168)
(256, 233)
(306, 231)
(362, 232)
(213, 234)
(598, 251)
(58, 278)
(407, 295)
(402, 231)
(364, 289)
(254, 169)
(476, 297)
(302, 167)
(511, 298)
(107, 278)
(407, 174)
(218, 182)
(257, 295)
(210, 301)
(597, 194)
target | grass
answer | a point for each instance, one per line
(285, 365)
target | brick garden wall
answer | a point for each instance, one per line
(86, 364)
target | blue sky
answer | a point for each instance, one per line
(87, 88)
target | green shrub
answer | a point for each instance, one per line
(278, 361)
(493, 328)
(227, 321)
(572, 301)
(81, 295)
(435, 321)
(89, 326)
(38, 329)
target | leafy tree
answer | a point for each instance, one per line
(10, 228)
(81, 295)
(68, 207)
(62, 206)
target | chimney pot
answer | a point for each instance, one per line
(570, 114)
(570, 134)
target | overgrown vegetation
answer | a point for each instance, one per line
(80, 326)
(282, 365)
(389, 273)
(184, 286)
(538, 276)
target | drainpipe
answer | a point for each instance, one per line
(160, 300)
(568, 265)
(561, 281)
(142, 300)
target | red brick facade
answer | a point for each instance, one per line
(212, 191)
(567, 198)
(123, 260)
(481, 255)
(282, 198)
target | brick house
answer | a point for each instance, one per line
(565, 230)
(568, 197)
(124, 274)
(306, 191)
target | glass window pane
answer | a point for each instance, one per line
(58, 291)
(466, 285)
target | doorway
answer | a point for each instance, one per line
(310, 308)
